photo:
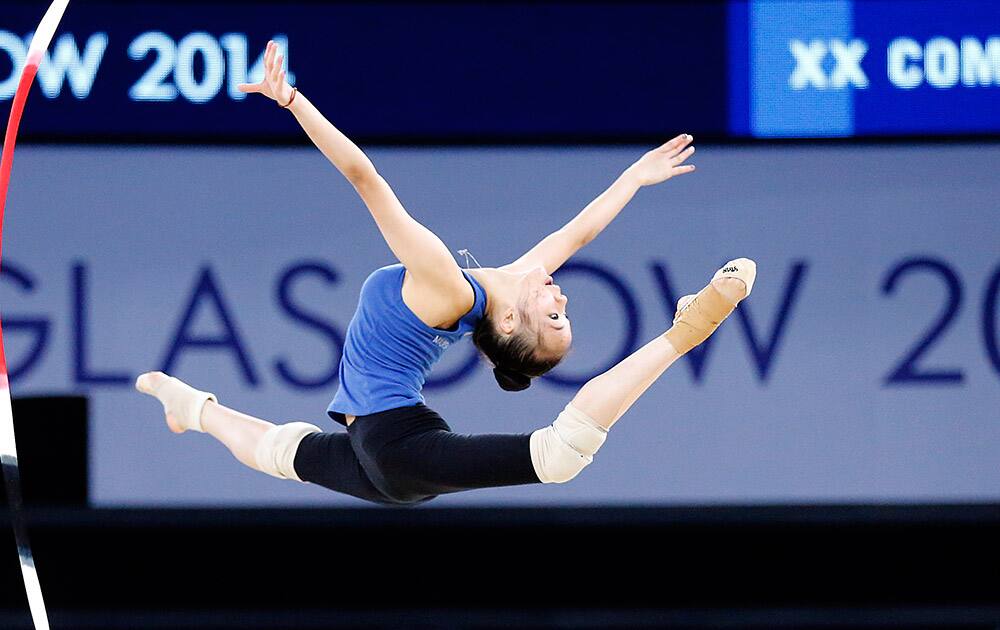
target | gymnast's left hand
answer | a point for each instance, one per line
(275, 85)
(664, 162)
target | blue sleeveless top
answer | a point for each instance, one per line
(389, 351)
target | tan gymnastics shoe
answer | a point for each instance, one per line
(699, 315)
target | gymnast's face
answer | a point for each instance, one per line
(542, 306)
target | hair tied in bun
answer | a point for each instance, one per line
(510, 380)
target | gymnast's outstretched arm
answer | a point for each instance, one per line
(654, 167)
(425, 257)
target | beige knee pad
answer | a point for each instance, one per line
(561, 450)
(275, 452)
(698, 318)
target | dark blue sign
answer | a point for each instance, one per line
(517, 72)
(392, 71)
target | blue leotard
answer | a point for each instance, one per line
(389, 351)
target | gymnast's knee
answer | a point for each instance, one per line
(561, 450)
(275, 452)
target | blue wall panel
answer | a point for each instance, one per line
(865, 367)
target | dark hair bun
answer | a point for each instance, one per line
(510, 380)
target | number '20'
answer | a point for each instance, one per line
(908, 369)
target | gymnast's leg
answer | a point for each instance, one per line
(297, 450)
(607, 397)
(560, 451)
(436, 461)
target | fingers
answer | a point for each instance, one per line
(274, 74)
(683, 155)
(682, 170)
(273, 61)
(276, 70)
(672, 143)
(675, 146)
(269, 55)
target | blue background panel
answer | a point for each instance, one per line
(865, 367)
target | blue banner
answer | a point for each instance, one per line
(821, 68)
(865, 366)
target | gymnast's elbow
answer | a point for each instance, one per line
(362, 176)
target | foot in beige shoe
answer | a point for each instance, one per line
(182, 403)
(735, 280)
(699, 315)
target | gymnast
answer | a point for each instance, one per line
(398, 451)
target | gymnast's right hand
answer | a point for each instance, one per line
(274, 86)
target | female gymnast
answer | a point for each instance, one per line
(398, 451)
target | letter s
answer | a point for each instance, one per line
(326, 329)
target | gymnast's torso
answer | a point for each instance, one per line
(388, 350)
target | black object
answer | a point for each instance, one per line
(51, 433)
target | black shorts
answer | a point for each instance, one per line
(410, 455)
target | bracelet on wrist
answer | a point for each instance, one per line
(289, 103)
